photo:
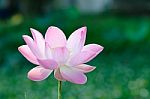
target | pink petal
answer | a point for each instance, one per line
(55, 37)
(26, 52)
(58, 75)
(29, 41)
(81, 58)
(84, 68)
(88, 53)
(48, 63)
(39, 41)
(48, 51)
(76, 40)
(93, 47)
(60, 54)
(39, 73)
(73, 75)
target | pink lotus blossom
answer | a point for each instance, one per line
(66, 58)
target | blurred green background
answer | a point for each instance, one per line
(121, 26)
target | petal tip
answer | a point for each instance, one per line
(31, 78)
(101, 48)
(52, 27)
(84, 29)
(84, 82)
(93, 68)
(19, 48)
(24, 36)
(32, 29)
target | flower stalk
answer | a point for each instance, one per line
(59, 89)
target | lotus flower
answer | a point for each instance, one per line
(66, 58)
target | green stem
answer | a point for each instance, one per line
(59, 89)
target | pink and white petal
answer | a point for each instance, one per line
(39, 41)
(81, 58)
(48, 63)
(36, 35)
(84, 68)
(60, 54)
(48, 51)
(58, 75)
(26, 52)
(55, 37)
(29, 41)
(39, 73)
(87, 54)
(93, 47)
(76, 40)
(73, 75)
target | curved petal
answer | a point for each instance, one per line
(88, 53)
(73, 75)
(26, 52)
(39, 73)
(58, 75)
(29, 41)
(84, 68)
(39, 41)
(93, 47)
(60, 54)
(81, 58)
(76, 40)
(48, 63)
(55, 37)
